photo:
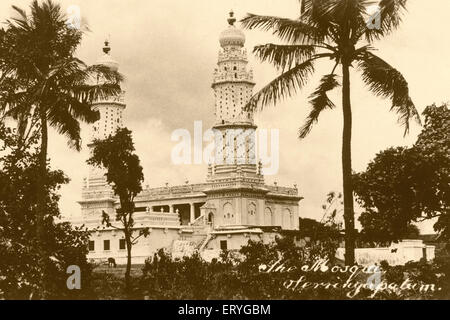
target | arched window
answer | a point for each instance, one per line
(286, 222)
(251, 215)
(228, 213)
(268, 217)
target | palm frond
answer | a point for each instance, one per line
(385, 81)
(21, 21)
(88, 94)
(21, 12)
(319, 101)
(80, 81)
(391, 14)
(292, 31)
(61, 119)
(106, 73)
(283, 86)
(284, 56)
(318, 13)
(80, 110)
(303, 5)
(345, 10)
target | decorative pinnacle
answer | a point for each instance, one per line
(231, 19)
(106, 48)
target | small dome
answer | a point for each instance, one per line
(107, 60)
(232, 35)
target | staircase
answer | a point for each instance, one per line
(200, 221)
(205, 242)
(200, 243)
(200, 235)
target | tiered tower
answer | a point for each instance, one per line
(97, 193)
(237, 192)
(233, 87)
(111, 110)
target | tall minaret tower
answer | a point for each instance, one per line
(233, 87)
(110, 109)
(97, 195)
(111, 116)
(236, 194)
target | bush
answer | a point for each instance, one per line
(253, 274)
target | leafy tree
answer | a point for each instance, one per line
(406, 185)
(43, 84)
(316, 230)
(327, 228)
(20, 276)
(335, 30)
(124, 174)
(434, 144)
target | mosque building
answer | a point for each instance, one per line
(232, 206)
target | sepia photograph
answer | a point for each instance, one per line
(229, 158)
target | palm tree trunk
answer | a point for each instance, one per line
(41, 203)
(349, 216)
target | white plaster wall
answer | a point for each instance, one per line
(396, 254)
(146, 247)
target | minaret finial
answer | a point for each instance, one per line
(231, 19)
(106, 48)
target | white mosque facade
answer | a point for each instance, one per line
(232, 206)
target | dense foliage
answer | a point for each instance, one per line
(43, 84)
(253, 274)
(233, 276)
(20, 274)
(125, 175)
(405, 185)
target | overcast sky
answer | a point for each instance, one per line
(167, 50)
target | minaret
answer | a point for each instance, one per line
(97, 194)
(111, 116)
(110, 109)
(233, 87)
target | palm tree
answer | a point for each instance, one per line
(336, 30)
(42, 84)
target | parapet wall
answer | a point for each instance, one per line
(397, 254)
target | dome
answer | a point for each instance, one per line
(232, 35)
(107, 60)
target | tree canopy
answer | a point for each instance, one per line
(125, 176)
(402, 185)
(20, 276)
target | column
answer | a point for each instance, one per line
(239, 205)
(192, 212)
(171, 209)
